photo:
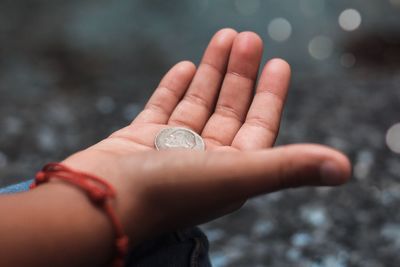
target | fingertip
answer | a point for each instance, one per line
(312, 164)
(348, 169)
(245, 56)
(179, 76)
(218, 49)
(185, 66)
(223, 38)
(278, 67)
(249, 43)
(336, 170)
(275, 77)
(251, 35)
(226, 31)
(334, 166)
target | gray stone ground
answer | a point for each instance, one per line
(71, 72)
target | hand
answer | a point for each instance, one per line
(164, 190)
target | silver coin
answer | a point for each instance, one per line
(178, 138)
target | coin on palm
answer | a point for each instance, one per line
(178, 138)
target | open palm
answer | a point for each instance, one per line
(169, 189)
(217, 101)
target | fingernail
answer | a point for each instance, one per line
(331, 173)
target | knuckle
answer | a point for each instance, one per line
(197, 100)
(261, 122)
(227, 111)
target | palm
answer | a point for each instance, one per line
(217, 100)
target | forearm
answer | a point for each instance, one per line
(54, 225)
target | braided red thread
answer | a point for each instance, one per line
(99, 192)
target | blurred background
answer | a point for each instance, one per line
(73, 71)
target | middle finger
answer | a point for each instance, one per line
(198, 103)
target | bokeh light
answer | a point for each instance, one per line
(130, 111)
(363, 164)
(350, 19)
(393, 138)
(105, 105)
(395, 2)
(279, 29)
(347, 60)
(320, 47)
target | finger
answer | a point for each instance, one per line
(231, 176)
(168, 93)
(262, 122)
(237, 90)
(196, 106)
(184, 188)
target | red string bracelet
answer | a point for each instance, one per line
(99, 192)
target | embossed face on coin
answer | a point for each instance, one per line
(178, 138)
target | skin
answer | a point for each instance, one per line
(238, 117)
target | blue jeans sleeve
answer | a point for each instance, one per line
(23, 186)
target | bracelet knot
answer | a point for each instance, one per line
(41, 177)
(97, 195)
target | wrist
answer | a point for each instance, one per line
(64, 217)
(125, 203)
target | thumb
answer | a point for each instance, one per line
(240, 175)
(184, 188)
(294, 166)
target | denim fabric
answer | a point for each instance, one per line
(184, 248)
(24, 186)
